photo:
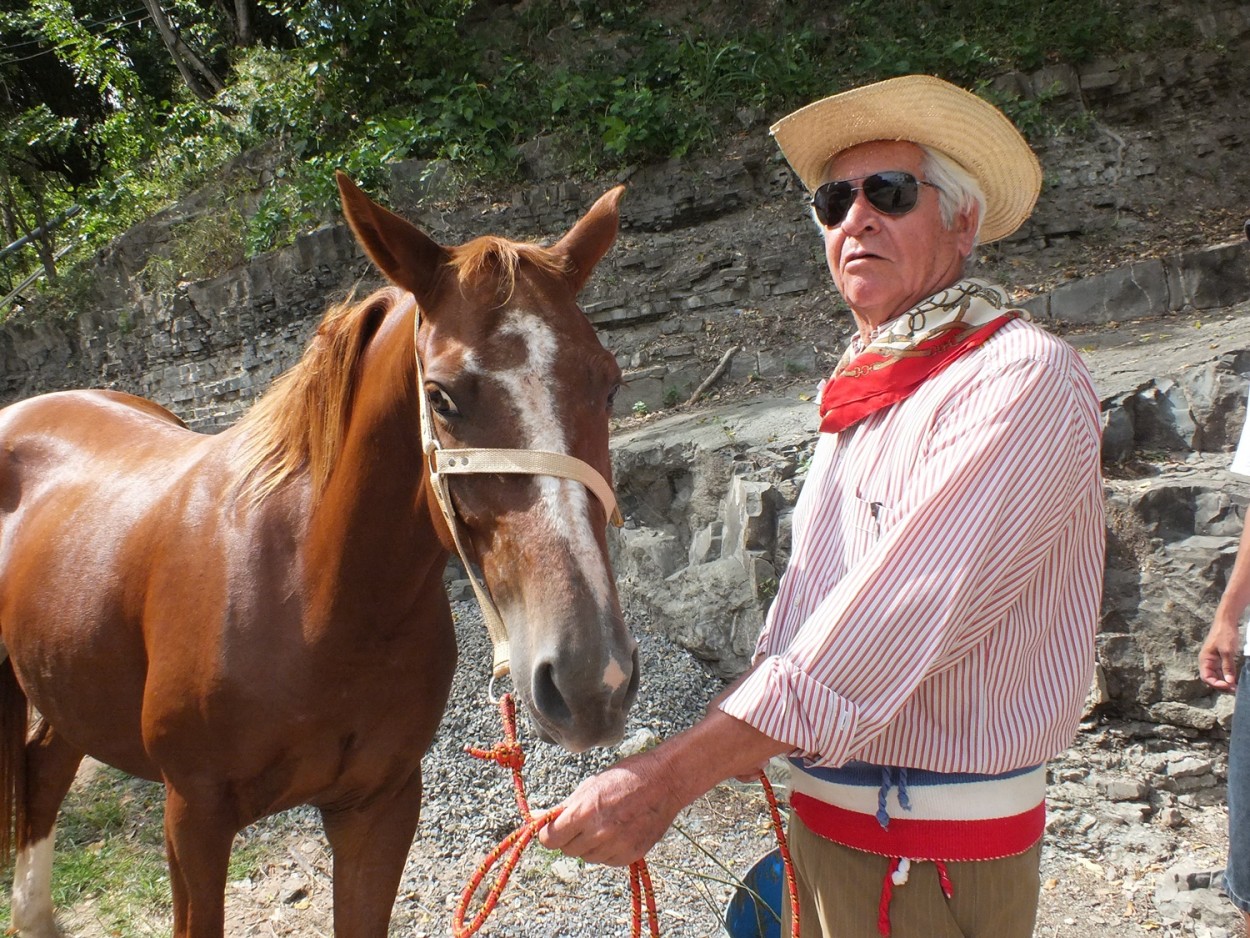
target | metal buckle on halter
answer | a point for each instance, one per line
(491, 694)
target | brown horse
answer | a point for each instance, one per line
(257, 619)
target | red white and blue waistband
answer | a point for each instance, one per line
(921, 814)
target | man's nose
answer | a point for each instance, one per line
(861, 216)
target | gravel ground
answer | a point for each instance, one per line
(1136, 827)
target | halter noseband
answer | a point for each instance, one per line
(476, 460)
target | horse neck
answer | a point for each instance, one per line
(372, 521)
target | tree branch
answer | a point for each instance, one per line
(199, 77)
(719, 370)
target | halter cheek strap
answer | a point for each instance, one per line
(475, 460)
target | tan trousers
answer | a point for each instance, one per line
(840, 894)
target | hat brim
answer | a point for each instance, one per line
(924, 110)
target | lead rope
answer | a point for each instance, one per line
(783, 844)
(510, 755)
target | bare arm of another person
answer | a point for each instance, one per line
(1217, 660)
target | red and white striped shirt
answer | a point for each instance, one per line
(939, 606)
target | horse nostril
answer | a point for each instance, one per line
(547, 697)
(631, 692)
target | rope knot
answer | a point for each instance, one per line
(509, 755)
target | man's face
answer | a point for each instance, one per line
(885, 264)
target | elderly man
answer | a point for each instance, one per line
(931, 644)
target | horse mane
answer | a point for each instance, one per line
(301, 421)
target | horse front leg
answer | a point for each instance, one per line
(199, 832)
(51, 764)
(370, 846)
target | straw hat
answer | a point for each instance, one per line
(927, 110)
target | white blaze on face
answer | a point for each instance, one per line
(529, 388)
(33, 915)
(614, 675)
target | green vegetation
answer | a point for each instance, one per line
(110, 852)
(98, 112)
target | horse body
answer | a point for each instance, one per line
(257, 619)
(66, 469)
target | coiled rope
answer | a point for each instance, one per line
(510, 755)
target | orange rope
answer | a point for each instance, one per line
(784, 844)
(510, 755)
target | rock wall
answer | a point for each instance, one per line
(714, 253)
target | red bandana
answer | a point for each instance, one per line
(885, 373)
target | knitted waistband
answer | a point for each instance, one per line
(921, 814)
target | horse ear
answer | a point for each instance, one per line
(590, 238)
(407, 256)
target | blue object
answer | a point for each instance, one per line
(755, 909)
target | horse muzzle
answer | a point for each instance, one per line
(573, 706)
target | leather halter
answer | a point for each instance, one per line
(477, 460)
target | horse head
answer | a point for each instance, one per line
(509, 363)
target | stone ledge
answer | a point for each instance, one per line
(1212, 278)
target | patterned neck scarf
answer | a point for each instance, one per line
(910, 349)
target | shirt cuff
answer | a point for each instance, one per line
(784, 702)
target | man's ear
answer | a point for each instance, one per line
(965, 228)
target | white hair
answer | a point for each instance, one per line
(958, 189)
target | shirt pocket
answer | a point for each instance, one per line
(868, 517)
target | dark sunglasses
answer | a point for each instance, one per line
(893, 193)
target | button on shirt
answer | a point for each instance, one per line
(939, 606)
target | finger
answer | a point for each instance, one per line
(556, 834)
(1216, 668)
(1209, 669)
(585, 848)
(608, 856)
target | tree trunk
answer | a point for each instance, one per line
(243, 23)
(198, 76)
(238, 13)
(45, 240)
(8, 204)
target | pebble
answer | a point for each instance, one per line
(566, 869)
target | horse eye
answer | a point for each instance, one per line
(441, 402)
(612, 396)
